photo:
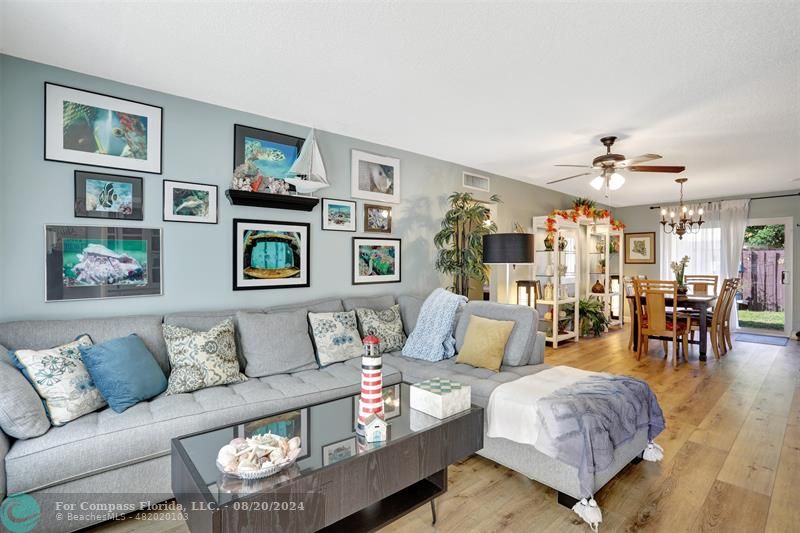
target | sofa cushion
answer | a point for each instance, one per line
(40, 334)
(335, 336)
(485, 342)
(409, 311)
(22, 414)
(385, 324)
(275, 343)
(369, 302)
(523, 336)
(106, 439)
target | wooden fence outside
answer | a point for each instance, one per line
(762, 289)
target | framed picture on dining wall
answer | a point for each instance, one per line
(338, 215)
(375, 177)
(376, 260)
(184, 201)
(377, 218)
(270, 255)
(89, 128)
(640, 248)
(108, 196)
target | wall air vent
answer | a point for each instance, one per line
(475, 181)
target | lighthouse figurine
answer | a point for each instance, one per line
(371, 401)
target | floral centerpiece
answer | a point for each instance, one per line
(679, 269)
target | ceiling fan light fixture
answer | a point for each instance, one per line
(598, 182)
(616, 181)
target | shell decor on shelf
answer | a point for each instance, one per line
(258, 456)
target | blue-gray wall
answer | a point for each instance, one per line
(198, 141)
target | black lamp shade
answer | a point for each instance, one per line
(506, 248)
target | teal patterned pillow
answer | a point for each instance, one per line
(336, 336)
(61, 380)
(201, 359)
(385, 324)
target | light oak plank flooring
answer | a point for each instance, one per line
(732, 454)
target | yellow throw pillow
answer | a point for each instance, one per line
(485, 342)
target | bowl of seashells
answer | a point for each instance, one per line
(258, 456)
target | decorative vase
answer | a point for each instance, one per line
(598, 287)
(562, 244)
(549, 270)
(548, 242)
(562, 270)
(564, 292)
(683, 289)
(548, 291)
(370, 403)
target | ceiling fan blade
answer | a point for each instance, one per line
(568, 178)
(636, 160)
(657, 168)
(575, 166)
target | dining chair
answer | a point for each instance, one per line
(724, 328)
(651, 306)
(715, 320)
(628, 290)
(702, 283)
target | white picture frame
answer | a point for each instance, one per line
(345, 217)
(173, 211)
(375, 177)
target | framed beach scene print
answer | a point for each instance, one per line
(640, 248)
(95, 129)
(268, 153)
(108, 196)
(339, 451)
(375, 177)
(90, 262)
(377, 218)
(184, 201)
(270, 255)
(289, 425)
(338, 215)
(376, 260)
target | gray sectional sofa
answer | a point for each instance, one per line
(106, 454)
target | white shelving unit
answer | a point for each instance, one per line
(597, 260)
(561, 269)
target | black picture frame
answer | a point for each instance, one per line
(174, 218)
(80, 196)
(48, 147)
(240, 132)
(59, 238)
(324, 210)
(373, 241)
(256, 283)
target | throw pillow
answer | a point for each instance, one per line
(485, 342)
(201, 359)
(336, 336)
(22, 414)
(124, 371)
(61, 380)
(386, 325)
(275, 343)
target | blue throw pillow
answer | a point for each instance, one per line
(124, 371)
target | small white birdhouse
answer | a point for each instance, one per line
(376, 429)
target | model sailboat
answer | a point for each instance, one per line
(308, 171)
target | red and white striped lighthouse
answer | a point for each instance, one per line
(371, 400)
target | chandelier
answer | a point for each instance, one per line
(685, 223)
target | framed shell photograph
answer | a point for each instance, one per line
(89, 128)
(640, 248)
(270, 255)
(377, 218)
(375, 177)
(185, 201)
(338, 215)
(108, 196)
(376, 260)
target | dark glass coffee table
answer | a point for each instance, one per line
(339, 482)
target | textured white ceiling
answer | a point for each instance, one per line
(507, 87)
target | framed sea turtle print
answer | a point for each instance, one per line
(640, 248)
(375, 177)
(376, 260)
(270, 255)
(184, 201)
(94, 129)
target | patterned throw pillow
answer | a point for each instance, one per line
(61, 379)
(201, 359)
(385, 324)
(336, 336)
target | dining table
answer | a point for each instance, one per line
(699, 302)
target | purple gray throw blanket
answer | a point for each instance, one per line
(583, 423)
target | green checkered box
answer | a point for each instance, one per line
(440, 397)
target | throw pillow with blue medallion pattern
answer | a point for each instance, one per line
(385, 324)
(61, 380)
(336, 336)
(201, 359)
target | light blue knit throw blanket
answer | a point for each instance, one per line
(432, 338)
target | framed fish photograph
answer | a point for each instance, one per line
(94, 129)
(376, 260)
(91, 262)
(377, 218)
(184, 201)
(289, 425)
(339, 451)
(375, 177)
(267, 153)
(270, 255)
(338, 215)
(108, 196)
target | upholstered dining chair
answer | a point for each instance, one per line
(702, 283)
(650, 297)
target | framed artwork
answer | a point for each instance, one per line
(184, 201)
(640, 248)
(391, 403)
(376, 260)
(95, 129)
(377, 218)
(338, 215)
(91, 262)
(375, 177)
(338, 451)
(270, 153)
(108, 196)
(270, 255)
(289, 425)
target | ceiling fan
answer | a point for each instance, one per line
(606, 166)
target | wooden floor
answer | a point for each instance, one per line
(732, 454)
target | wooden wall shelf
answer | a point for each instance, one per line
(273, 201)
